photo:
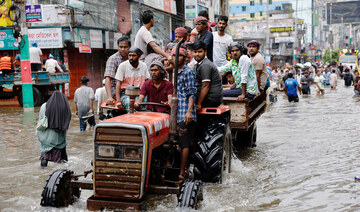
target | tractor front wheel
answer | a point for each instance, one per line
(190, 194)
(58, 191)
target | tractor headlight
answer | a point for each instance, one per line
(132, 153)
(106, 151)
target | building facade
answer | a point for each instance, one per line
(243, 10)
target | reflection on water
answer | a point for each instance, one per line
(306, 160)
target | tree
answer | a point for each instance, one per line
(327, 55)
(335, 55)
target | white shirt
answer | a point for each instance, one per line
(142, 39)
(221, 45)
(35, 54)
(51, 65)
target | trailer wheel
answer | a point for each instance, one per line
(190, 194)
(58, 191)
(245, 139)
(38, 97)
(209, 154)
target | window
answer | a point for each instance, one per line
(252, 3)
(243, 8)
(252, 15)
(270, 1)
(277, 8)
(270, 15)
(260, 2)
(261, 13)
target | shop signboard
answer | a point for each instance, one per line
(82, 36)
(111, 39)
(190, 9)
(33, 13)
(284, 40)
(282, 29)
(96, 39)
(7, 40)
(76, 3)
(46, 38)
(4, 19)
(84, 48)
(164, 5)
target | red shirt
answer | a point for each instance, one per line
(157, 95)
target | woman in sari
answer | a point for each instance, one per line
(54, 120)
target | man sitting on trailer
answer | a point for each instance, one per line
(156, 90)
(243, 71)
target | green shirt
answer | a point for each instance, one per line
(243, 73)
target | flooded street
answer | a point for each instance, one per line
(305, 160)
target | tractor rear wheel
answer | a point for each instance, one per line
(213, 153)
(58, 191)
(190, 194)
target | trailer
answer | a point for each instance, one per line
(44, 84)
(243, 119)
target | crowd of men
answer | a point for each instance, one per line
(205, 72)
(298, 79)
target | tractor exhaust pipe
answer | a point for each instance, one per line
(174, 99)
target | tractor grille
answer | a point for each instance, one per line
(118, 162)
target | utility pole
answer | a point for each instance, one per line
(26, 78)
(267, 47)
(295, 46)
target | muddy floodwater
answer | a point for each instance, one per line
(306, 160)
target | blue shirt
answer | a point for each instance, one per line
(327, 77)
(185, 90)
(291, 84)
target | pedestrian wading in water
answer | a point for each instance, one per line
(54, 120)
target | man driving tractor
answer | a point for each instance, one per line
(156, 90)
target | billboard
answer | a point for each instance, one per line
(343, 12)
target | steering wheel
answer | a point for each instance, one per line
(154, 104)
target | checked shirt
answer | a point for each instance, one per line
(112, 65)
(185, 89)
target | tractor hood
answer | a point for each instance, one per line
(152, 121)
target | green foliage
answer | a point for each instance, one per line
(335, 55)
(331, 55)
(327, 55)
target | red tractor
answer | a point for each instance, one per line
(131, 152)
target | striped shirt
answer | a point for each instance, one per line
(243, 73)
(110, 71)
(185, 90)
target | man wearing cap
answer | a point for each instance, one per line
(130, 73)
(84, 100)
(204, 35)
(243, 71)
(112, 65)
(259, 63)
(186, 92)
(51, 65)
(157, 89)
(208, 81)
(35, 57)
(144, 38)
(222, 42)
(180, 33)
